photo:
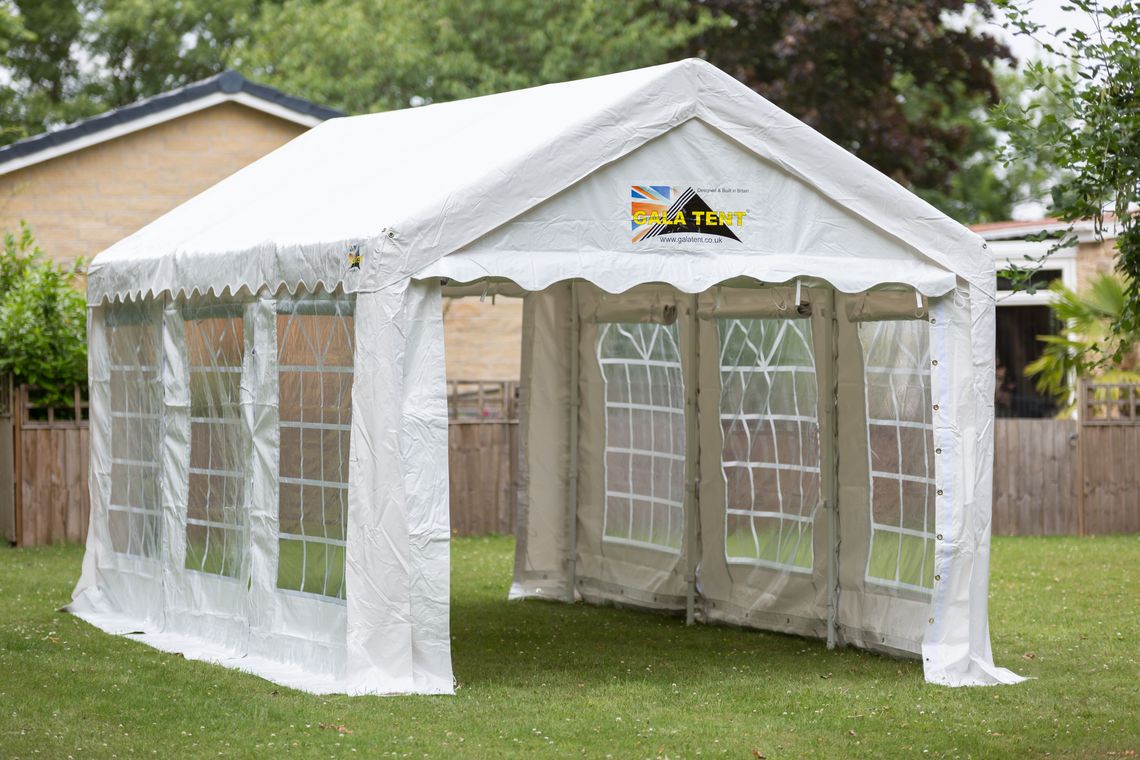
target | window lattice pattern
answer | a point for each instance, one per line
(900, 433)
(770, 455)
(315, 363)
(135, 340)
(216, 512)
(645, 434)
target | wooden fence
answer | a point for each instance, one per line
(1040, 466)
(43, 468)
(44, 455)
(483, 464)
(1071, 477)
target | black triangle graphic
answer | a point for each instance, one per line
(688, 203)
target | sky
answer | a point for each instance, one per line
(1046, 12)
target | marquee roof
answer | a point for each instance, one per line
(406, 188)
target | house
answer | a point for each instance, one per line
(1021, 315)
(89, 184)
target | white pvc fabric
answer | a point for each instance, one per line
(241, 508)
(775, 412)
(828, 470)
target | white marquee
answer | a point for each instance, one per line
(757, 386)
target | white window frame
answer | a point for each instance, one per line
(341, 306)
(922, 369)
(151, 373)
(236, 312)
(675, 509)
(765, 368)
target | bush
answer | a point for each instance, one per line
(43, 320)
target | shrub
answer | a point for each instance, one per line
(43, 320)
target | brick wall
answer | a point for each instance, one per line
(483, 341)
(1094, 258)
(82, 202)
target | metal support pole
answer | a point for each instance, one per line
(830, 433)
(690, 372)
(572, 476)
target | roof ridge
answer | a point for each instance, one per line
(227, 82)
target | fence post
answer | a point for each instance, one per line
(1082, 400)
(18, 409)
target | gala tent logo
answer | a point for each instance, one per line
(657, 210)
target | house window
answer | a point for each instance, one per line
(1018, 345)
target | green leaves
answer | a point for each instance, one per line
(1092, 345)
(895, 83)
(1095, 139)
(368, 55)
(43, 320)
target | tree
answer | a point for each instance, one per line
(42, 64)
(1095, 140)
(367, 55)
(1090, 342)
(145, 47)
(69, 59)
(889, 81)
(43, 320)
(898, 84)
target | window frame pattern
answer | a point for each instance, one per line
(137, 409)
(767, 362)
(330, 551)
(224, 413)
(910, 360)
(653, 350)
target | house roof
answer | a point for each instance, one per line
(229, 86)
(1021, 228)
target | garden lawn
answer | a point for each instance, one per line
(559, 680)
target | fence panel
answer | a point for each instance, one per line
(482, 458)
(1035, 477)
(50, 457)
(1112, 478)
(1037, 469)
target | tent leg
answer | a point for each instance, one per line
(691, 375)
(572, 479)
(830, 433)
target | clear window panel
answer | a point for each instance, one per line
(216, 530)
(645, 434)
(134, 333)
(900, 441)
(770, 452)
(315, 346)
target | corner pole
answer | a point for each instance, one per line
(572, 479)
(830, 483)
(690, 372)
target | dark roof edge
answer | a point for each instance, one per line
(228, 82)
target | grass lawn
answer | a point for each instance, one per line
(554, 680)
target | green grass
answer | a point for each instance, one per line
(555, 680)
